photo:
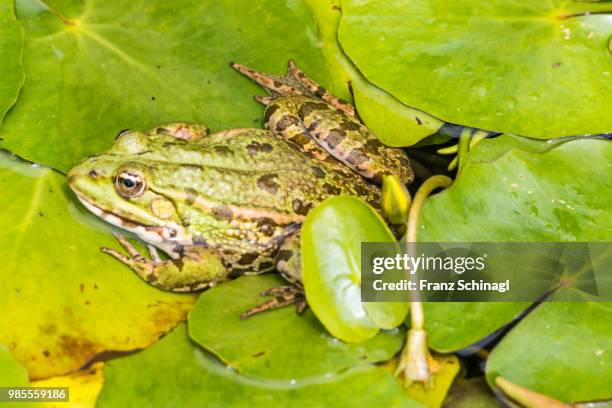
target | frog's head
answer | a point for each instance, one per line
(118, 186)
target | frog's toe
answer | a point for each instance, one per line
(319, 91)
(283, 296)
(274, 85)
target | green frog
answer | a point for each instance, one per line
(231, 203)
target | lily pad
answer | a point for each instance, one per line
(276, 344)
(470, 393)
(534, 68)
(11, 43)
(12, 374)
(561, 349)
(71, 301)
(175, 372)
(521, 196)
(94, 68)
(331, 268)
(84, 386)
(394, 123)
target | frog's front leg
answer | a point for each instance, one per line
(289, 267)
(197, 268)
(302, 112)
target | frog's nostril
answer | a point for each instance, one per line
(93, 174)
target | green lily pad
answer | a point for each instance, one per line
(561, 349)
(331, 268)
(12, 374)
(394, 123)
(470, 393)
(95, 68)
(62, 300)
(174, 372)
(11, 70)
(521, 196)
(276, 344)
(541, 69)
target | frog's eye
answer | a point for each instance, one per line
(130, 183)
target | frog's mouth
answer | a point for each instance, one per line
(151, 234)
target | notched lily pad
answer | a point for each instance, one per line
(276, 344)
(175, 372)
(540, 69)
(71, 301)
(521, 196)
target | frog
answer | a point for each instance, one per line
(231, 203)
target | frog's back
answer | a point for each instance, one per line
(245, 190)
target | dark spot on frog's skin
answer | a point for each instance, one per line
(46, 353)
(256, 147)
(313, 125)
(222, 150)
(356, 157)
(285, 122)
(372, 146)
(317, 172)
(162, 131)
(300, 207)
(309, 107)
(248, 258)
(266, 182)
(277, 84)
(265, 266)
(334, 138)
(349, 125)
(329, 189)
(152, 277)
(418, 120)
(266, 226)
(284, 255)
(361, 190)
(198, 239)
(270, 111)
(261, 353)
(320, 91)
(93, 174)
(190, 195)
(222, 212)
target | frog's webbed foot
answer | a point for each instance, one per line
(197, 269)
(296, 82)
(282, 296)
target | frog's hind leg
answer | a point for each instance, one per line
(181, 130)
(288, 265)
(282, 296)
(295, 82)
(319, 91)
(276, 86)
